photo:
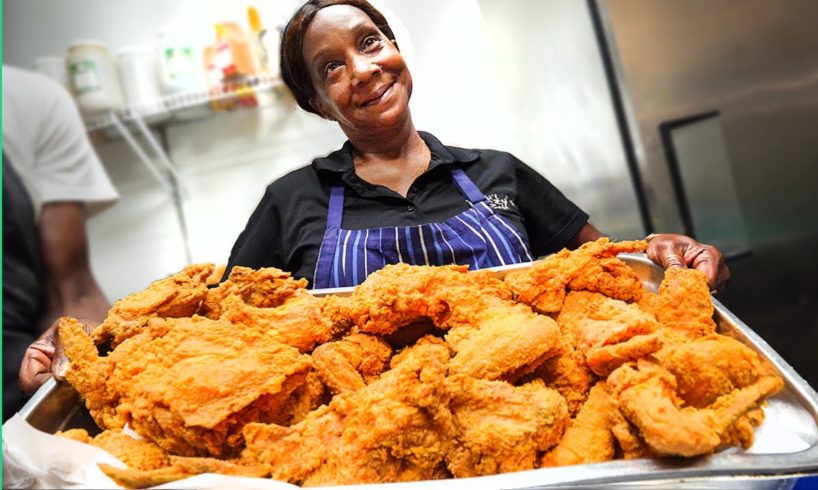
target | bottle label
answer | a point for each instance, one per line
(180, 63)
(85, 77)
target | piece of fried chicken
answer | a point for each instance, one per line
(351, 363)
(589, 438)
(263, 288)
(501, 427)
(591, 267)
(607, 331)
(298, 321)
(187, 384)
(176, 296)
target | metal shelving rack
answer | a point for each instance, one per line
(132, 122)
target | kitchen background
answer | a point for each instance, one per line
(695, 116)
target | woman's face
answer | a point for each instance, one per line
(360, 77)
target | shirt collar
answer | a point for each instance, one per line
(340, 161)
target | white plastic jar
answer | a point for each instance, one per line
(93, 78)
(139, 79)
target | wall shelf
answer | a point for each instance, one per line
(171, 109)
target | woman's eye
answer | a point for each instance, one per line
(369, 42)
(330, 67)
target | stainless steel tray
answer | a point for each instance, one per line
(786, 443)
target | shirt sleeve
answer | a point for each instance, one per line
(550, 218)
(66, 167)
(259, 244)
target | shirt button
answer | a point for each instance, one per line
(410, 208)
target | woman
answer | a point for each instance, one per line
(393, 194)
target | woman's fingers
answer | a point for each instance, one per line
(36, 366)
(669, 250)
(710, 261)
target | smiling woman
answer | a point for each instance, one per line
(394, 194)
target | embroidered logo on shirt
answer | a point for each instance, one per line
(500, 202)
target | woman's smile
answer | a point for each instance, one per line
(380, 95)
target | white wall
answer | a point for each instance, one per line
(518, 75)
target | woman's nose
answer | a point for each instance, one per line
(363, 69)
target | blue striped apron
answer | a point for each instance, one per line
(478, 237)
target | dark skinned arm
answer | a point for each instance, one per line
(70, 286)
(671, 250)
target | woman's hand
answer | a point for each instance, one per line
(45, 358)
(670, 250)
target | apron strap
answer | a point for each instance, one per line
(323, 266)
(467, 187)
(336, 206)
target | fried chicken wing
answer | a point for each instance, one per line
(607, 331)
(177, 296)
(709, 367)
(647, 397)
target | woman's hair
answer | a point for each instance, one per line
(294, 68)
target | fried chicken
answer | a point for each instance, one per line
(187, 384)
(502, 427)
(683, 302)
(137, 454)
(421, 373)
(607, 331)
(589, 438)
(591, 267)
(395, 429)
(262, 288)
(297, 322)
(177, 296)
(491, 335)
(647, 396)
(352, 362)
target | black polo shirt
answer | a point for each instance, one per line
(287, 227)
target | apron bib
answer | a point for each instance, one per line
(478, 237)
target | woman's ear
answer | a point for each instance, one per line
(319, 107)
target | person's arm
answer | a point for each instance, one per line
(586, 234)
(70, 286)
